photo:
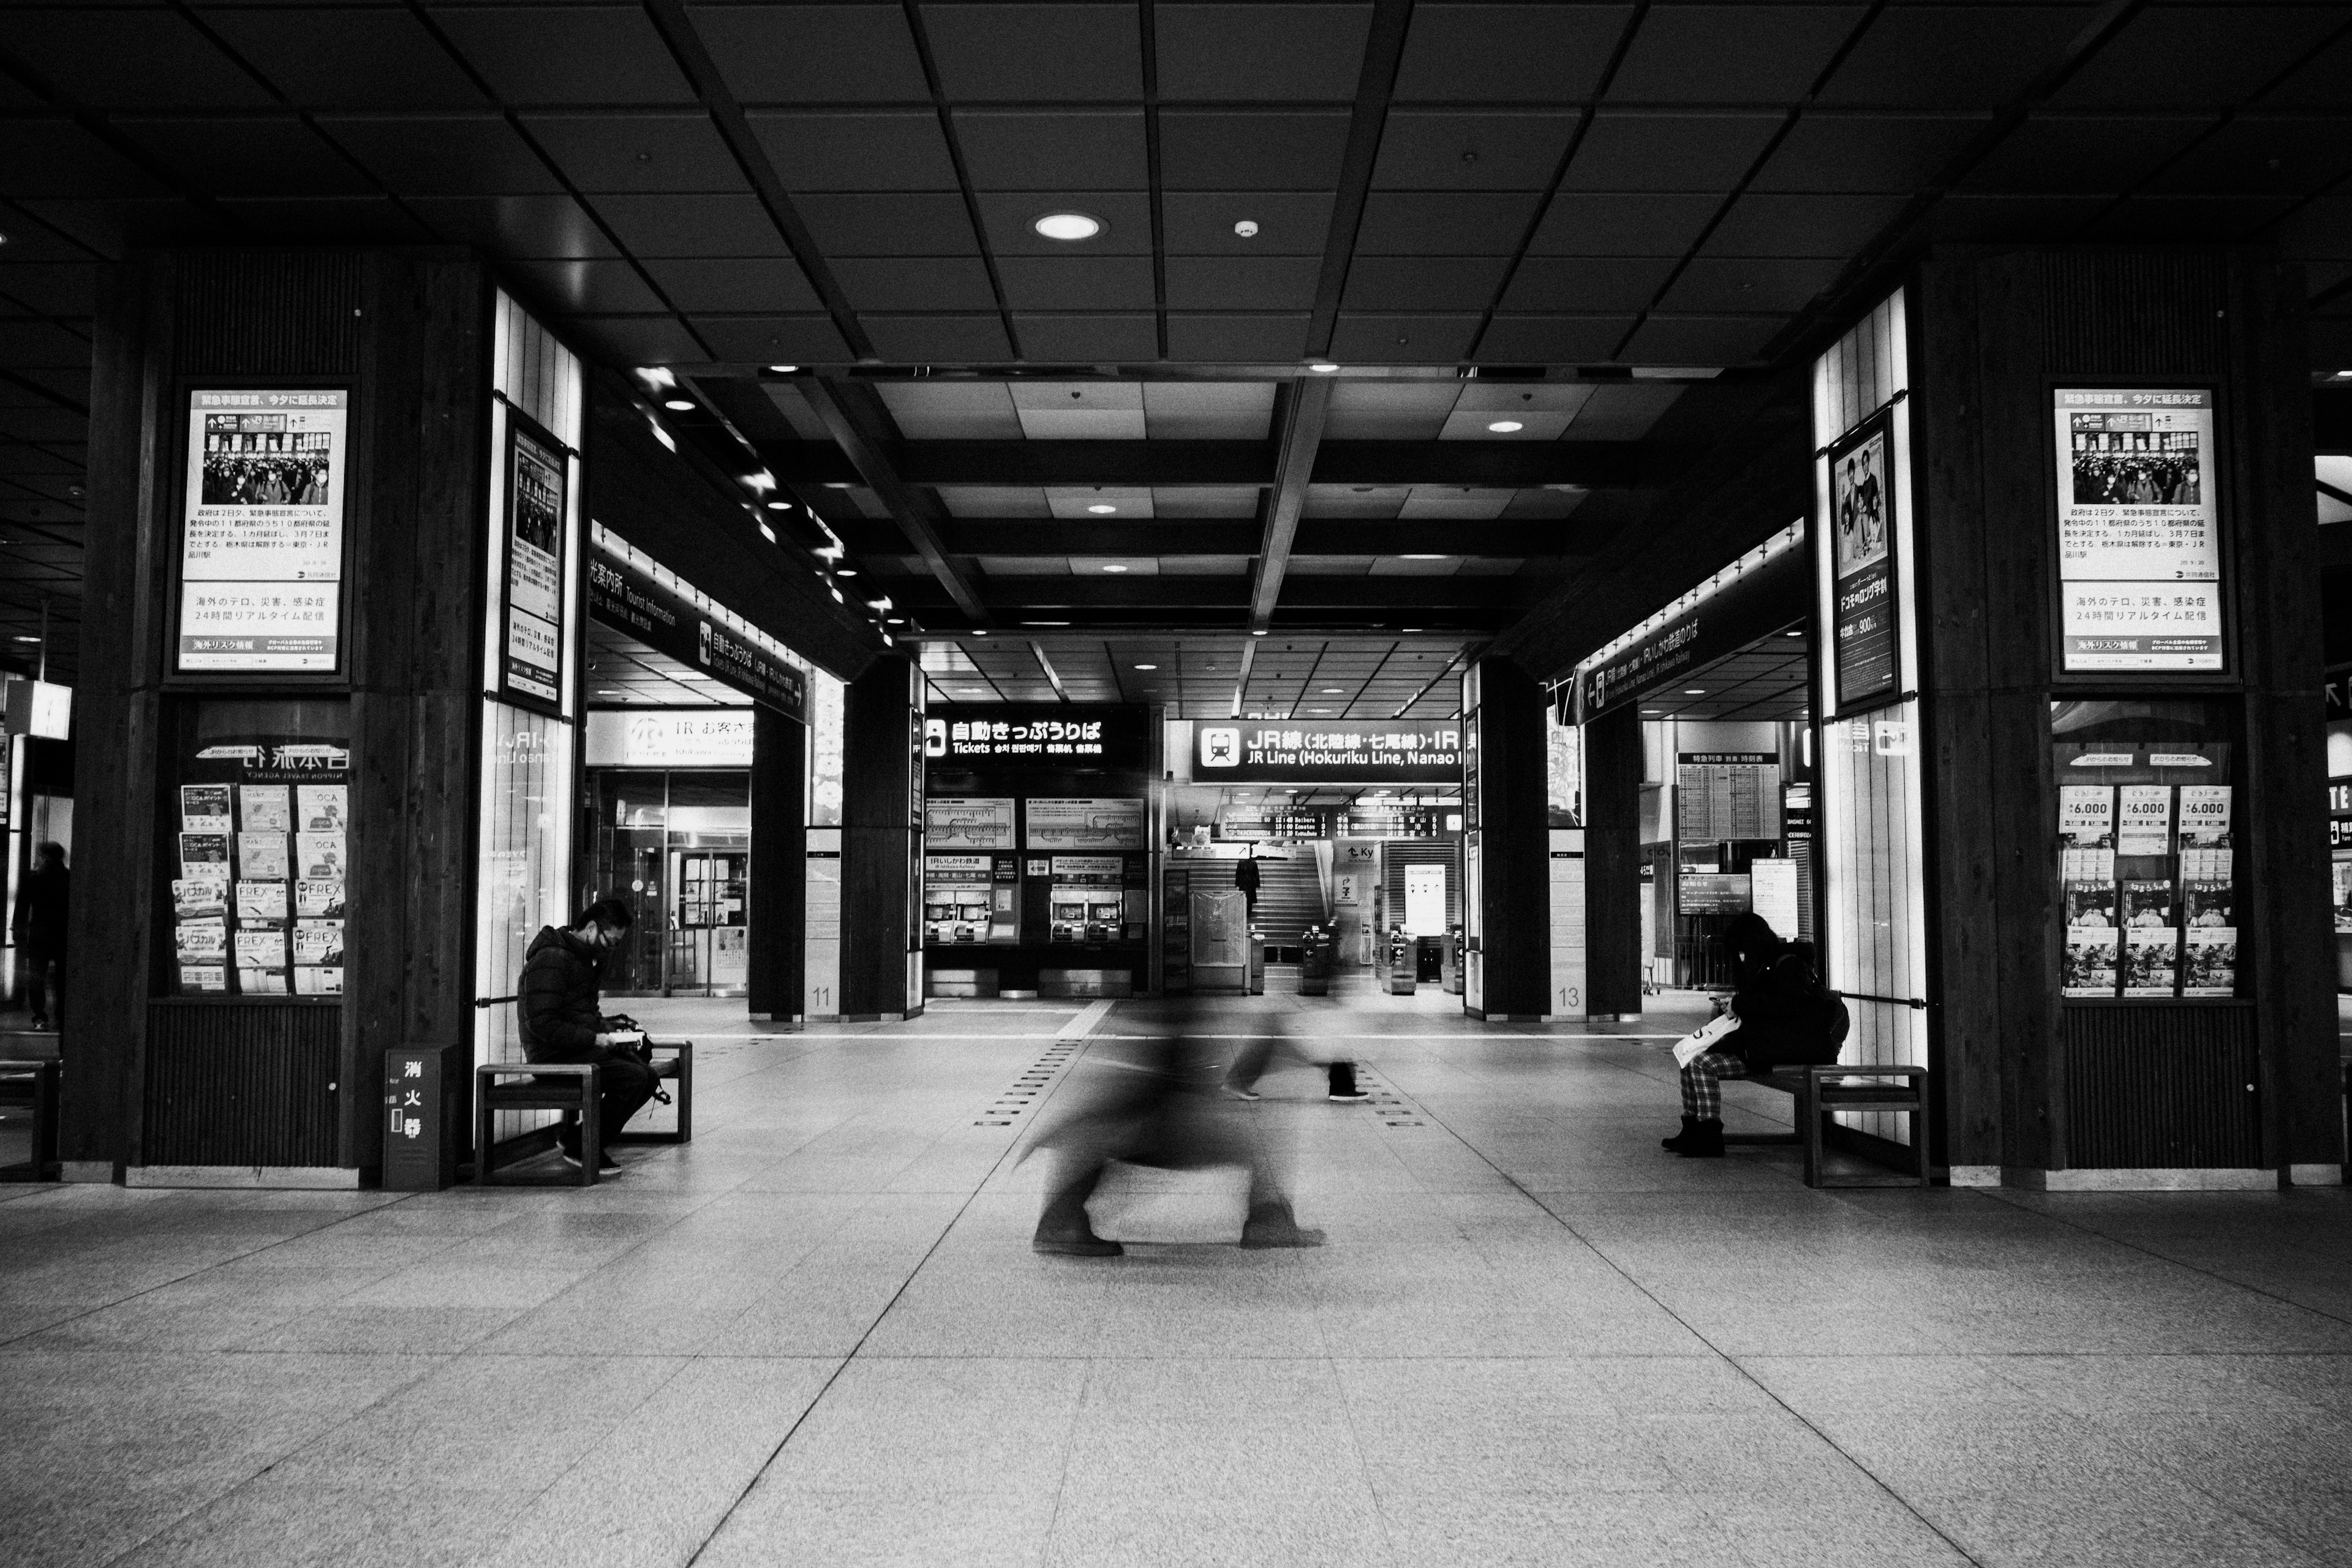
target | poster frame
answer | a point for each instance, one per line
(356, 489)
(1880, 423)
(2222, 478)
(518, 426)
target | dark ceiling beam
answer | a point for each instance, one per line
(1036, 465)
(1518, 540)
(1383, 51)
(1304, 407)
(849, 412)
(669, 19)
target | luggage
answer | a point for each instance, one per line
(1157, 1204)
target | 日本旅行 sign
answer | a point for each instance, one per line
(1385, 751)
(621, 596)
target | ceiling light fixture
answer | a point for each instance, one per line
(762, 480)
(980, 631)
(767, 534)
(1322, 367)
(784, 369)
(678, 405)
(1114, 566)
(844, 570)
(1425, 558)
(1505, 426)
(655, 375)
(1146, 667)
(1693, 690)
(1330, 691)
(779, 506)
(1246, 228)
(1257, 634)
(1069, 227)
(1101, 507)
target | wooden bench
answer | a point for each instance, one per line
(514, 1086)
(1819, 1091)
(32, 1086)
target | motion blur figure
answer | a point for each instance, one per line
(1152, 1103)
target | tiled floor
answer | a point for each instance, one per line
(817, 1335)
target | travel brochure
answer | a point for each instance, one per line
(2161, 922)
(258, 900)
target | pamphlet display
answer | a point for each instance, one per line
(2139, 549)
(262, 536)
(2145, 874)
(257, 897)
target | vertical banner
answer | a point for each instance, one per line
(531, 671)
(262, 536)
(2139, 546)
(1866, 670)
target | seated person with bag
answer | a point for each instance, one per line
(561, 1022)
(1786, 1016)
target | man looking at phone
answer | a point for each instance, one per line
(560, 1021)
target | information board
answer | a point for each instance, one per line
(968, 822)
(1724, 795)
(2139, 549)
(261, 536)
(1084, 823)
(1712, 893)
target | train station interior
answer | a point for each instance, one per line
(1099, 781)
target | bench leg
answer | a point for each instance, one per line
(1921, 1124)
(483, 1147)
(1810, 1107)
(686, 1095)
(592, 1130)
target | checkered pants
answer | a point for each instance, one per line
(1702, 1096)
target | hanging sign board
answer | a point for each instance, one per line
(261, 540)
(621, 597)
(1762, 600)
(1391, 752)
(1064, 735)
(670, 738)
(2139, 548)
(537, 516)
(1860, 541)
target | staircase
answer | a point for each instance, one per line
(1289, 895)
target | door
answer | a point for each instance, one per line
(1220, 940)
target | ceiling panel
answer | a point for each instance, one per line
(1088, 338)
(1005, 150)
(1731, 53)
(734, 284)
(610, 54)
(812, 54)
(862, 151)
(637, 151)
(953, 411)
(445, 156)
(915, 282)
(1624, 151)
(1262, 51)
(1288, 222)
(348, 57)
(1425, 150)
(1208, 411)
(1041, 54)
(1511, 52)
(1203, 150)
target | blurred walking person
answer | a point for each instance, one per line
(39, 930)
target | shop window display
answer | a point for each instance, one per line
(2145, 867)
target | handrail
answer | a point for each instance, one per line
(489, 1002)
(1890, 1001)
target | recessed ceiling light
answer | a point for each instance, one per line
(1045, 623)
(678, 405)
(1257, 634)
(1146, 667)
(1332, 691)
(1114, 566)
(1424, 558)
(980, 631)
(767, 534)
(1068, 227)
(1505, 426)
(1246, 228)
(779, 506)
(784, 369)
(1693, 690)
(1101, 507)
(844, 570)
(1322, 367)
(608, 692)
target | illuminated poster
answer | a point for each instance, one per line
(1861, 538)
(1084, 823)
(2139, 549)
(535, 521)
(968, 822)
(261, 543)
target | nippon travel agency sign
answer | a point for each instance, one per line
(1272, 753)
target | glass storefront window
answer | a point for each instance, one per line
(526, 856)
(826, 715)
(677, 846)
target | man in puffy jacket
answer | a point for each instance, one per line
(1786, 1016)
(561, 1023)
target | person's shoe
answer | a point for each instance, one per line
(1704, 1142)
(1076, 1245)
(1343, 1083)
(1350, 1095)
(1677, 1141)
(39, 1022)
(1275, 1225)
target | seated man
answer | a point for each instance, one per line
(561, 1022)
(1786, 1016)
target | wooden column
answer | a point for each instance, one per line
(1613, 863)
(881, 791)
(406, 333)
(779, 890)
(1513, 846)
(1994, 333)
